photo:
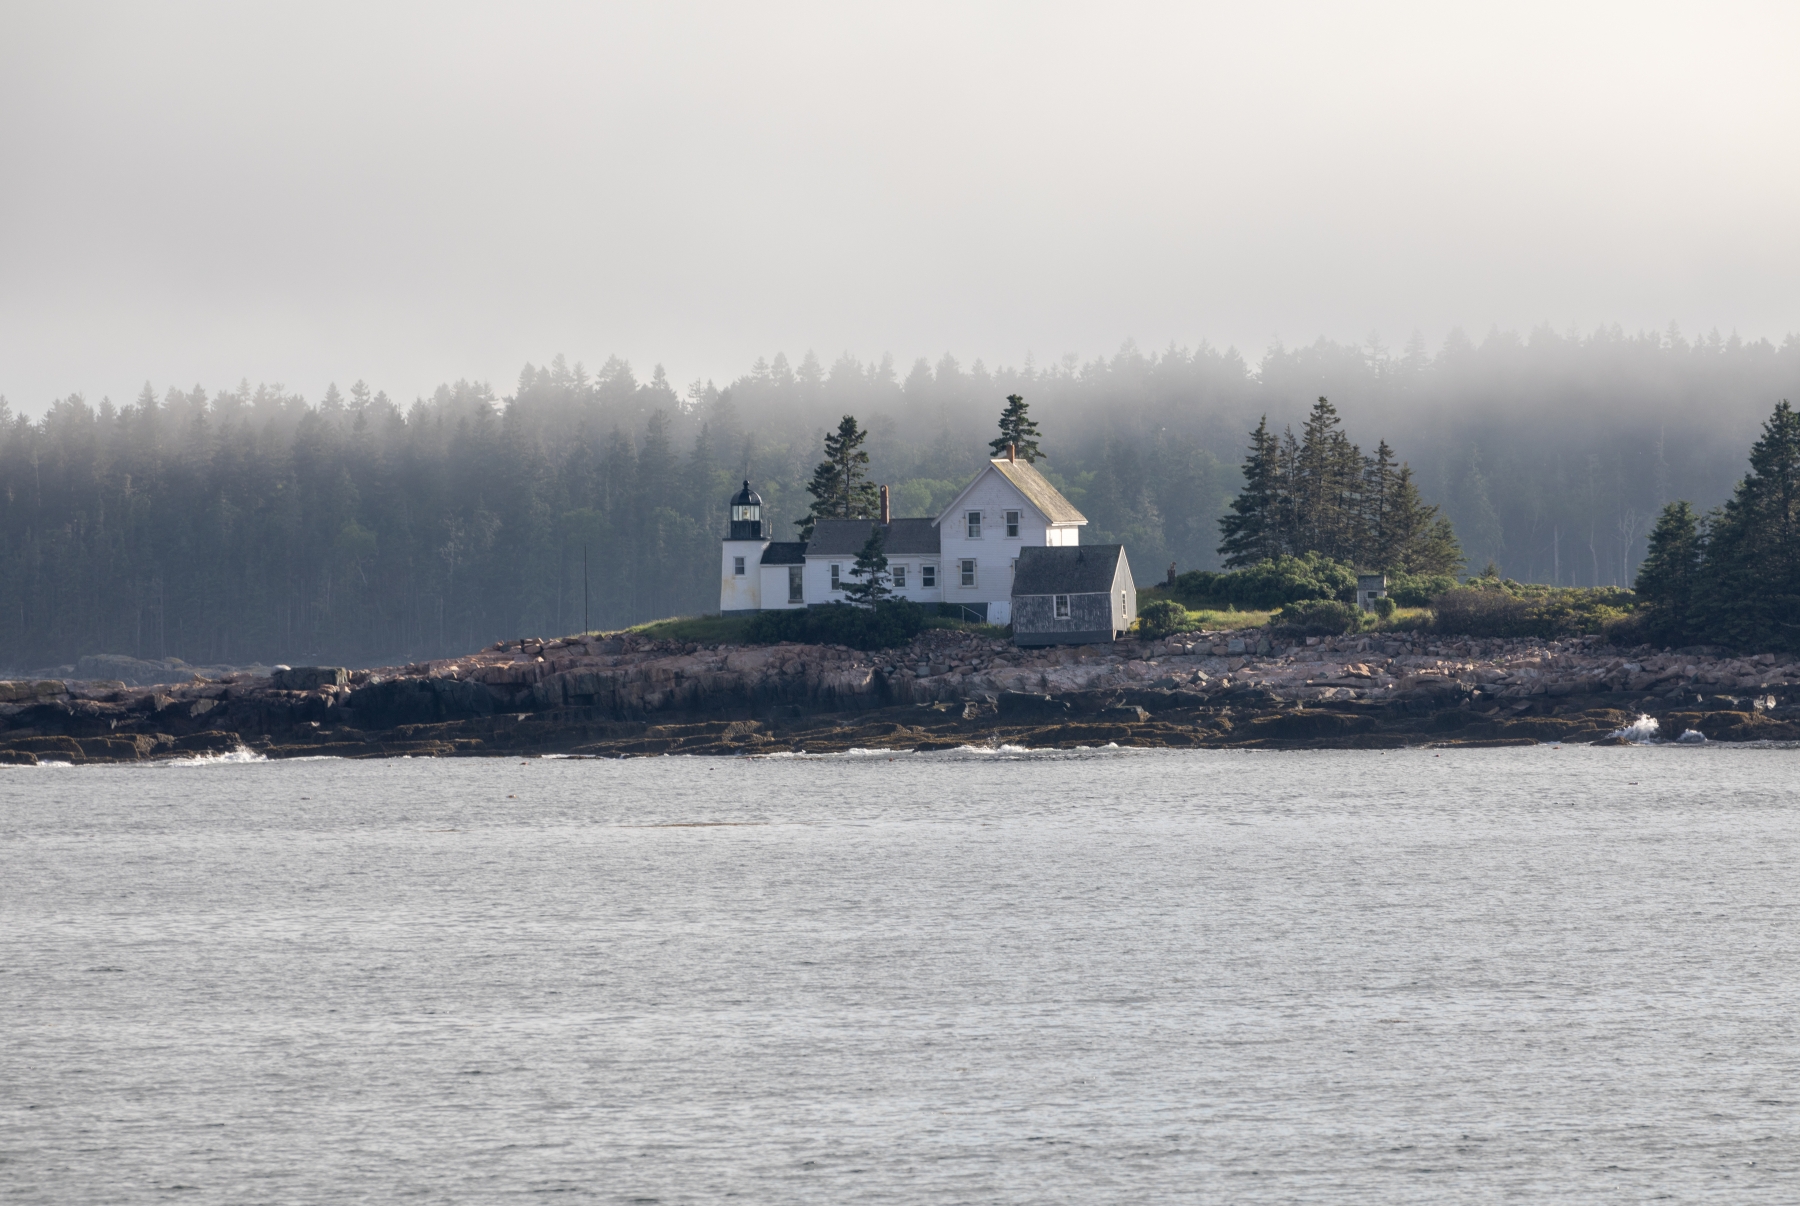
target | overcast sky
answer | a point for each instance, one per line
(312, 192)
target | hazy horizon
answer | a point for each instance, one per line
(416, 194)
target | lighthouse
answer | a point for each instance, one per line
(740, 567)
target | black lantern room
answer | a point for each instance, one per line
(746, 515)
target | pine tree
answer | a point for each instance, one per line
(1752, 578)
(1252, 532)
(1378, 548)
(839, 486)
(1326, 487)
(1314, 489)
(1422, 541)
(870, 571)
(1017, 429)
(1290, 508)
(1668, 579)
(1344, 515)
(1438, 551)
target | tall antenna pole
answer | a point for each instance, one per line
(585, 626)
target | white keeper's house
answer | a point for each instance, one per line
(965, 556)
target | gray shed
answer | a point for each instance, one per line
(1078, 594)
(1370, 587)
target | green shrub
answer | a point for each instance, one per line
(1385, 608)
(1504, 608)
(1267, 584)
(889, 623)
(1483, 613)
(1317, 617)
(1418, 590)
(1161, 617)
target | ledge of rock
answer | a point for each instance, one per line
(626, 694)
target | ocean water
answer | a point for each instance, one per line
(1136, 976)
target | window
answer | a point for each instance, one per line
(898, 574)
(974, 518)
(928, 575)
(1012, 524)
(1062, 607)
(745, 513)
(796, 587)
(737, 566)
(836, 569)
(968, 571)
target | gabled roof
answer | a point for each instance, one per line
(785, 552)
(1074, 569)
(1024, 477)
(846, 537)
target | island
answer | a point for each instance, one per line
(637, 693)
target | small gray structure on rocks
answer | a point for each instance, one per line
(1370, 587)
(1073, 595)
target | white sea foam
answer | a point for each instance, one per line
(240, 754)
(1641, 731)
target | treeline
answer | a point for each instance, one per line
(251, 524)
(1318, 494)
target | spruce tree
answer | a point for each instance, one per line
(1668, 580)
(1378, 550)
(1290, 508)
(870, 571)
(1252, 531)
(1314, 488)
(1752, 573)
(1016, 428)
(1439, 551)
(1327, 487)
(839, 484)
(1422, 541)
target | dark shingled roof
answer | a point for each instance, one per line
(845, 537)
(1082, 569)
(784, 552)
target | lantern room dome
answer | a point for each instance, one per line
(746, 516)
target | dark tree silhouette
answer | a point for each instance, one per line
(1321, 495)
(1017, 429)
(870, 571)
(840, 486)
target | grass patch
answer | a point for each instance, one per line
(1406, 619)
(704, 630)
(1213, 618)
(1230, 617)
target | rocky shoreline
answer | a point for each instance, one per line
(626, 694)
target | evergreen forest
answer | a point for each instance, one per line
(1732, 575)
(252, 524)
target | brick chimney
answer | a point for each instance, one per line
(886, 515)
(1012, 452)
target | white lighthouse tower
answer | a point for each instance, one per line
(740, 566)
